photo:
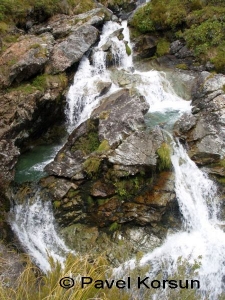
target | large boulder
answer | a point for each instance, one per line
(71, 50)
(107, 161)
(25, 58)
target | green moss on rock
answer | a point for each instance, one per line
(91, 165)
(164, 161)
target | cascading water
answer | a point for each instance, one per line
(202, 240)
(33, 223)
(196, 193)
(83, 95)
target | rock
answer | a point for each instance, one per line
(102, 189)
(139, 149)
(70, 51)
(25, 58)
(120, 119)
(144, 46)
(62, 25)
(204, 132)
(118, 246)
(176, 46)
(124, 79)
(24, 113)
(117, 33)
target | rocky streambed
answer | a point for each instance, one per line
(111, 185)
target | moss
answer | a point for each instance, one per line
(91, 165)
(164, 161)
(114, 227)
(72, 193)
(127, 188)
(104, 115)
(35, 46)
(16, 12)
(182, 66)
(104, 146)
(87, 143)
(128, 50)
(41, 83)
(56, 204)
(163, 47)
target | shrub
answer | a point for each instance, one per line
(163, 47)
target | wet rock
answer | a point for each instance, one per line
(144, 46)
(176, 46)
(125, 114)
(23, 115)
(25, 58)
(124, 79)
(204, 132)
(71, 50)
(118, 246)
(162, 192)
(138, 149)
(102, 189)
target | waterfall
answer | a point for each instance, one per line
(83, 95)
(34, 224)
(202, 240)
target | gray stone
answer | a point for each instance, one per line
(70, 51)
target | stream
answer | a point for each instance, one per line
(201, 240)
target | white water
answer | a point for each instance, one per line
(196, 194)
(83, 95)
(34, 224)
(202, 239)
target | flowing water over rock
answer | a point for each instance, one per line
(34, 224)
(201, 241)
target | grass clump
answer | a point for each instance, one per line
(91, 165)
(164, 160)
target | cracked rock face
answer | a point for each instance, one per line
(204, 129)
(70, 51)
(112, 159)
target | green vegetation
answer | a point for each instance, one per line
(128, 188)
(163, 47)
(104, 146)
(91, 165)
(41, 83)
(15, 11)
(164, 162)
(200, 23)
(182, 66)
(56, 204)
(128, 50)
(32, 284)
(114, 227)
